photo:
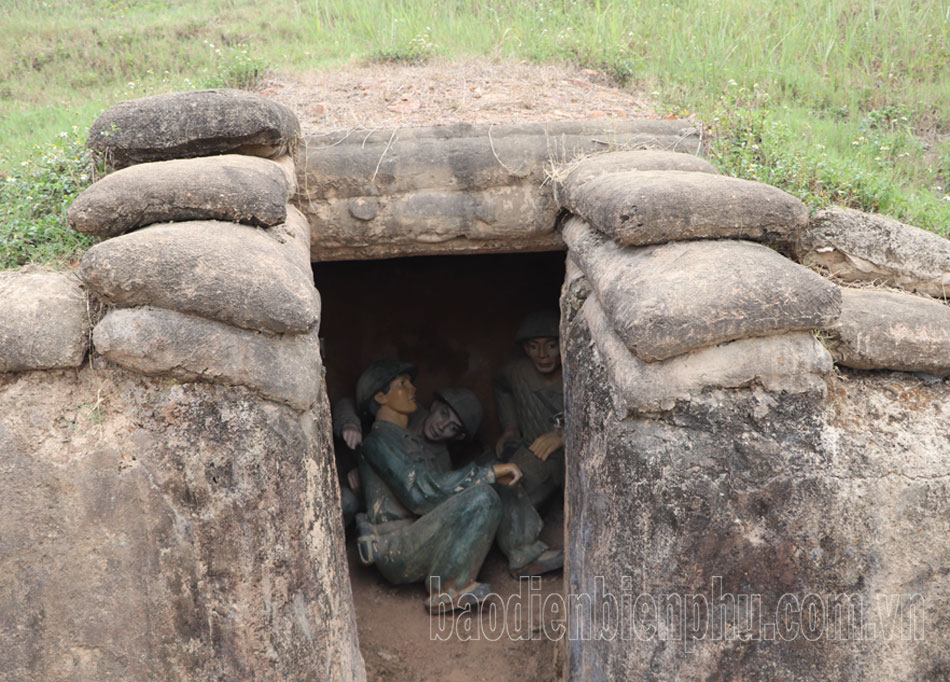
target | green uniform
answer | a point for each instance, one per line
(429, 522)
(344, 414)
(525, 401)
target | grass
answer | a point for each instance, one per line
(844, 101)
(34, 198)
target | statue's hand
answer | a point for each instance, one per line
(353, 478)
(508, 474)
(545, 444)
(352, 436)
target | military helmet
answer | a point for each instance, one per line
(466, 405)
(539, 324)
(376, 377)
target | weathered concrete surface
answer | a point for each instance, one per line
(468, 157)
(674, 298)
(233, 188)
(44, 320)
(160, 342)
(432, 220)
(640, 207)
(187, 124)
(153, 530)
(865, 247)
(223, 271)
(886, 330)
(791, 363)
(470, 186)
(636, 160)
(791, 504)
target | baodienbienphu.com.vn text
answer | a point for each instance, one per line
(622, 612)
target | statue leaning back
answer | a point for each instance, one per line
(423, 524)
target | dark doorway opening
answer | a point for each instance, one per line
(455, 317)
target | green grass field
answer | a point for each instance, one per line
(836, 101)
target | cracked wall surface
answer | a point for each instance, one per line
(159, 530)
(840, 504)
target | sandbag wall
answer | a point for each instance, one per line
(215, 550)
(735, 510)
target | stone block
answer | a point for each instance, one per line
(467, 157)
(429, 221)
(749, 534)
(450, 189)
(154, 530)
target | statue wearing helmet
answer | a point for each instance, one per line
(529, 398)
(424, 521)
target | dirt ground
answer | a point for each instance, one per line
(441, 93)
(400, 642)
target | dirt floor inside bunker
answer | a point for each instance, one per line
(398, 639)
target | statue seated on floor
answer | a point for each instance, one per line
(455, 415)
(423, 523)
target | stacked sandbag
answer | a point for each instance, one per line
(891, 330)
(212, 510)
(44, 320)
(206, 250)
(896, 281)
(456, 188)
(675, 209)
(241, 189)
(189, 124)
(714, 458)
(792, 362)
(853, 246)
(681, 301)
(680, 310)
(673, 298)
(638, 200)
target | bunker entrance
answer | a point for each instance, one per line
(455, 318)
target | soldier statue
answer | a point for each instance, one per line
(424, 522)
(455, 415)
(529, 398)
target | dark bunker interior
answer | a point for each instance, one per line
(455, 317)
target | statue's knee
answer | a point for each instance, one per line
(485, 500)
